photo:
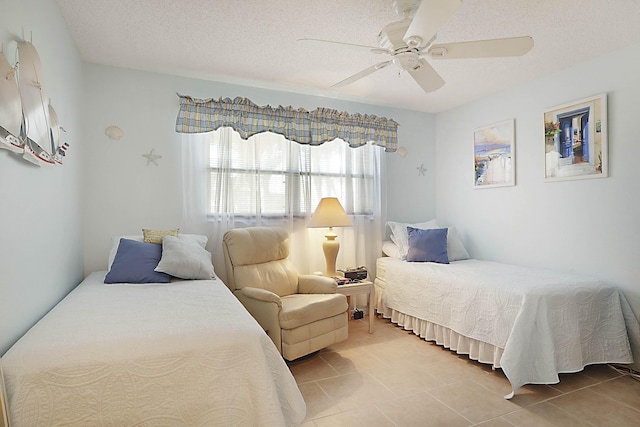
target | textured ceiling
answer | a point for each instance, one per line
(254, 42)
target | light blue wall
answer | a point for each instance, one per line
(411, 194)
(41, 257)
(583, 226)
(105, 187)
(56, 223)
(123, 194)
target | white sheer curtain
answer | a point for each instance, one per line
(236, 183)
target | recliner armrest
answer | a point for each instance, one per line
(312, 284)
(261, 295)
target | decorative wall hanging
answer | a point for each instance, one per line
(152, 157)
(10, 107)
(114, 133)
(575, 140)
(494, 155)
(421, 169)
(28, 122)
(299, 125)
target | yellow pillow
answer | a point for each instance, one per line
(155, 236)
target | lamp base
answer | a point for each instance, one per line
(331, 247)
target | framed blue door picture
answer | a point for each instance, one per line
(575, 140)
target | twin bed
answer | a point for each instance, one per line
(185, 352)
(531, 323)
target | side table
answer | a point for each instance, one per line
(359, 288)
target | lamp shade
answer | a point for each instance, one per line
(330, 213)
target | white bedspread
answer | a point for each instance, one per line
(181, 354)
(546, 322)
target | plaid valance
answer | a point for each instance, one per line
(299, 125)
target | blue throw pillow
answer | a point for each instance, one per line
(135, 263)
(427, 245)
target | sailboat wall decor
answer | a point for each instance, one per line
(60, 149)
(28, 121)
(10, 107)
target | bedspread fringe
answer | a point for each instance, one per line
(445, 337)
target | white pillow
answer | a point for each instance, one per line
(115, 241)
(184, 258)
(455, 249)
(390, 249)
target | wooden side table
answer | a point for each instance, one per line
(359, 288)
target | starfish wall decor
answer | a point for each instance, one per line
(152, 157)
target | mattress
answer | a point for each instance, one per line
(532, 323)
(185, 353)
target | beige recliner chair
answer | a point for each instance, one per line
(300, 313)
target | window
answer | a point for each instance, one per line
(270, 176)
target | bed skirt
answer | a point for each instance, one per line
(445, 337)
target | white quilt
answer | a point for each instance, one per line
(546, 322)
(180, 354)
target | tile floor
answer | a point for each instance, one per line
(394, 378)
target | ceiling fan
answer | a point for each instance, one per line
(411, 39)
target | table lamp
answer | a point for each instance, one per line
(330, 213)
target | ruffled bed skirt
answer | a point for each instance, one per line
(445, 337)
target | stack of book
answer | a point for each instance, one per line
(343, 280)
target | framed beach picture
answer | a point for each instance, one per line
(494, 155)
(575, 140)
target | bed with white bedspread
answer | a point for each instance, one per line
(532, 323)
(183, 354)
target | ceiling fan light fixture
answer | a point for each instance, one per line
(407, 60)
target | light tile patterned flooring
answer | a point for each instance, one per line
(394, 378)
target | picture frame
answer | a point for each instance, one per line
(494, 155)
(575, 140)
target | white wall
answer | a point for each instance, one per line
(123, 194)
(40, 209)
(583, 226)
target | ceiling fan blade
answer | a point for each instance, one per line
(512, 46)
(362, 74)
(428, 78)
(430, 16)
(373, 49)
